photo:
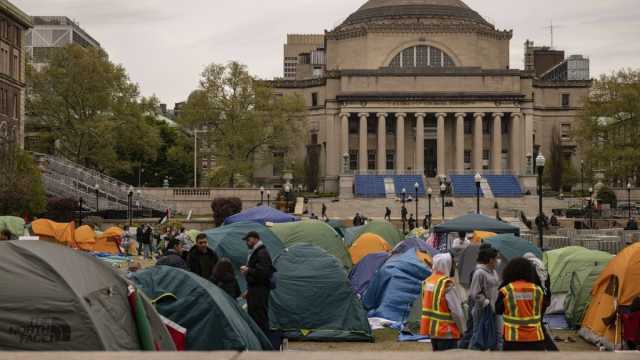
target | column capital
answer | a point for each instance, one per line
(516, 115)
(363, 114)
(441, 115)
(496, 115)
(421, 115)
(344, 114)
(401, 115)
(382, 114)
(461, 115)
(478, 114)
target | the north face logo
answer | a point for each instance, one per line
(43, 330)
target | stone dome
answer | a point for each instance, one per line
(375, 11)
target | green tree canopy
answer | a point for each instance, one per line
(245, 121)
(21, 188)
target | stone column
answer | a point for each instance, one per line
(332, 147)
(442, 166)
(382, 142)
(400, 166)
(477, 142)
(515, 152)
(496, 143)
(419, 166)
(363, 153)
(460, 141)
(344, 134)
(528, 136)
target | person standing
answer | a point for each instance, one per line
(425, 222)
(521, 303)
(201, 259)
(387, 214)
(324, 212)
(543, 280)
(258, 272)
(357, 220)
(140, 237)
(146, 242)
(403, 214)
(173, 256)
(225, 278)
(442, 316)
(412, 222)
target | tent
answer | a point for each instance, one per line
(315, 233)
(479, 236)
(476, 222)
(227, 241)
(617, 285)
(395, 287)
(85, 238)
(363, 272)
(579, 296)
(261, 215)
(63, 233)
(213, 320)
(109, 241)
(566, 263)
(15, 225)
(414, 243)
(511, 246)
(338, 226)
(313, 299)
(58, 299)
(350, 234)
(385, 230)
(367, 244)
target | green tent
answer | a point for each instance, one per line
(227, 241)
(315, 233)
(15, 225)
(579, 296)
(511, 246)
(338, 226)
(313, 300)
(385, 230)
(214, 321)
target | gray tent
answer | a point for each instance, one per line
(58, 299)
(475, 222)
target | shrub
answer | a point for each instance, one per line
(224, 207)
(607, 196)
(61, 209)
(21, 189)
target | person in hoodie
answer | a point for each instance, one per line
(173, 256)
(224, 277)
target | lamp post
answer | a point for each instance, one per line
(443, 192)
(590, 208)
(130, 205)
(261, 195)
(138, 200)
(345, 158)
(287, 189)
(429, 195)
(540, 161)
(80, 214)
(268, 198)
(582, 177)
(417, 187)
(403, 212)
(478, 180)
(629, 198)
(140, 172)
(97, 190)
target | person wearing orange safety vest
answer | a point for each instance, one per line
(520, 302)
(442, 316)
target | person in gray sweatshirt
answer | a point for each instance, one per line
(484, 288)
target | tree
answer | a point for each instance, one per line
(21, 188)
(223, 208)
(609, 130)
(555, 164)
(245, 121)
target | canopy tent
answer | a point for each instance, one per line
(565, 264)
(315, 233)
(313, 299)
(58, 299)
(261, 215)
(616, 286)
(227, 241)
(362, 273)
(367, 244)
(395, 287)
(63, 233)
(475, 222)
(15, 225)
(214, 321)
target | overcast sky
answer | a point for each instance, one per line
(165, 44)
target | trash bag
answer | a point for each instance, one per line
(485, 334)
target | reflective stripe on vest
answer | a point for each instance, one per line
(522, 313)
(437, 320)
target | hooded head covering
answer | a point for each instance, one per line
(541, 270)
(442, 263)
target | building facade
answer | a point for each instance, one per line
(425, 87)
(13, 23)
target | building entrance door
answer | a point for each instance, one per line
(430, 158)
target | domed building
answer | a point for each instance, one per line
(425, 88)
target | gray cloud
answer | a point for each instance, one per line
(165, 44)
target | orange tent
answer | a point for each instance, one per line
(366, 244)
(109, 241)
(618, 285)
(63, 233)
(425, 257)
(85, 238)
(478, 236)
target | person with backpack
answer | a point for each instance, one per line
(224, 277)
(258, 272)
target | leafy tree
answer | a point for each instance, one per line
(223, 208)
(609, 130)
(555, 165)
(21, 188)
(245, 121)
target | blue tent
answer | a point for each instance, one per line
(363, 272)
(350, 234)
(395, 287)
(262, 215)
(414, 243)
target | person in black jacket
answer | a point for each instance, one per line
(258, 273)
(173, 256)
(225, 278)
(201, 259)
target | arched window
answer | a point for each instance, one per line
(421, 57)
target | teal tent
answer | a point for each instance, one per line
(350, 235)
(313, 300)
(227, 241)
(337, 226)
(214, 321)
(511, 246)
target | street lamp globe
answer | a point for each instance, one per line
(478, 178)
(430, 191)
(131, 190)
(629, 186)
(97, 187)
(416, 186)
(443, 187)
(404, 191)
(540, 161)
(261, 188)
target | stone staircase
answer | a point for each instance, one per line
(390, 188)
(486, 189)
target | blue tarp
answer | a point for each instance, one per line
(395, 287)
(261, 215)
(364, 271)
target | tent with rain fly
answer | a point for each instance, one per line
(315, 233)
(363, 272)
(58, 299)
(63, 233)
(14, 225)
(579, 296)
(476, 222)
(385, 230)
(338, 226)
(416, 244)
(367, 244)
(351, 233)
(313, 300)
(395, 287)
(261, 215)
(511, 246)
(213, 320)
(566, 263)
(227, 241)
(616, 287)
